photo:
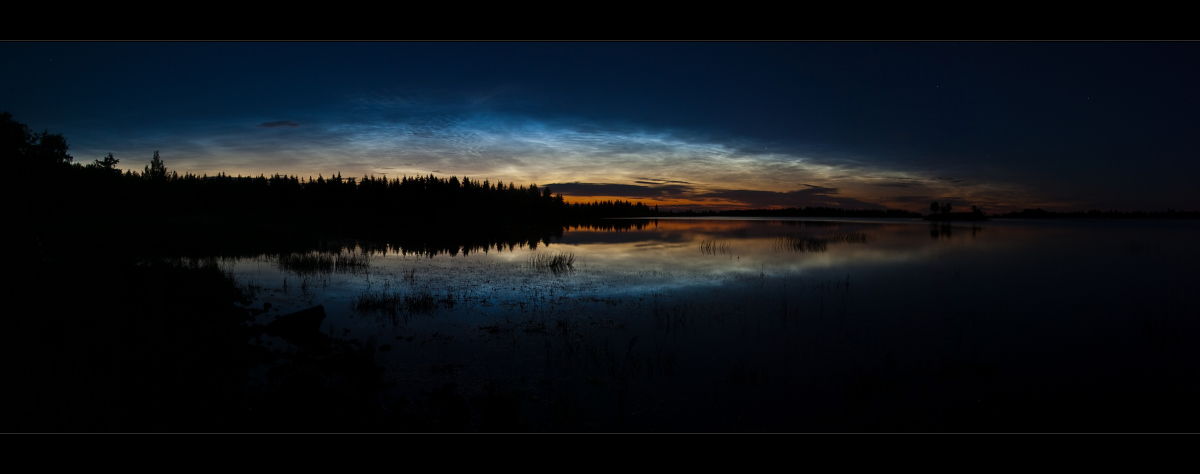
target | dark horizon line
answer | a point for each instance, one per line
(674, 208)
(1025, 213)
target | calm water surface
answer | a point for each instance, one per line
(795, 325)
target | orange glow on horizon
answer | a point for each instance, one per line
(662, 203)
(990, 204)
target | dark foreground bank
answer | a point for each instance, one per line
(122, 345)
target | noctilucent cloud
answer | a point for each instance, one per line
(1005, 126)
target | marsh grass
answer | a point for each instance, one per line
(306, 264)
(312, 263)
(394, 302)
(805, 243)
(347, 262)
(715, 247)
(555, 262)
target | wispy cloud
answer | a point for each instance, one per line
(908, 199)
(282, 123)
(899, 184)
(660, 181)
(814, 196)
(405, 135)
(630, 191)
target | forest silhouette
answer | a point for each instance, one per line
(66, 202)
(115, 209)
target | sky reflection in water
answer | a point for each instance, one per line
(1082, 305)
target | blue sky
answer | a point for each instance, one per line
(864, 125)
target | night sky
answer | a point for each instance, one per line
(1006, 126)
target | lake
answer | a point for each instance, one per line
(776, 325)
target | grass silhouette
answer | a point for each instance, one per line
(313, 263)
(555, 262)
(394, 302)
(714, 247)
(806, 243)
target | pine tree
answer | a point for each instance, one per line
(156, 171)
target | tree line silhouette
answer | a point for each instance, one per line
(344, 202)
(88, 201)
(808, 211)
(61, 184)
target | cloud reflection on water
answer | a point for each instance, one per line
(753, 246)
(1009, 305)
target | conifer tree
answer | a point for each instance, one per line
(156, 170)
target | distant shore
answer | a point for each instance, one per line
(957, 216)
(1097, 214)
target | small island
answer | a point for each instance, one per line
(941, 212)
